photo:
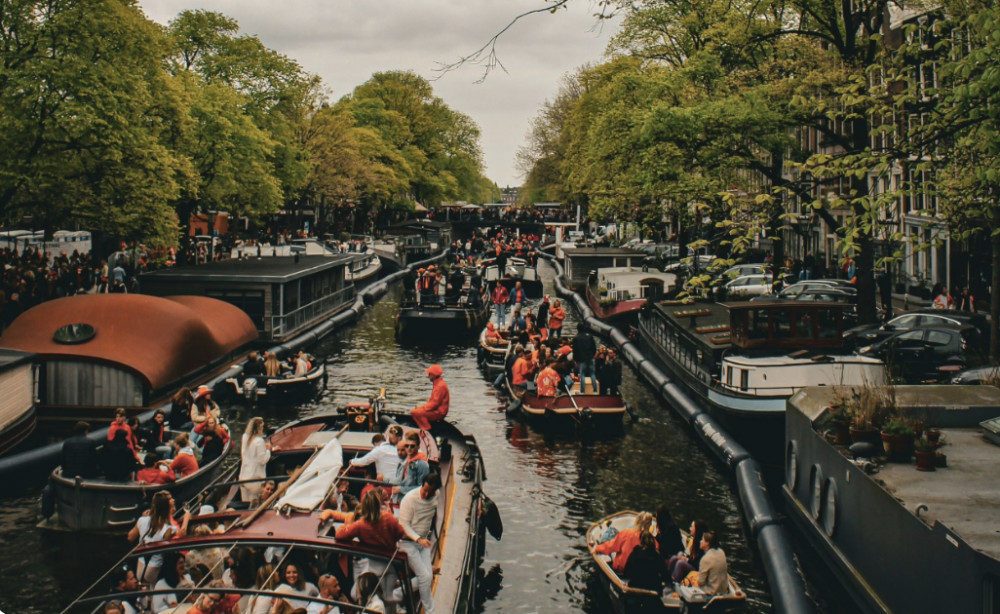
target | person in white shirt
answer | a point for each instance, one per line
(329, 588)
(383, 454)
(416, 516)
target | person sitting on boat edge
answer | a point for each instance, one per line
(416, 516)
(493, 336)
(155, 471)
(436, 407)
(548, 380)
(185, 462)
(272, 366)
(415, 467)
(621, 547)
(645, 568)
(123, 580)
(255, 453)
(79, 454)
(376, 529)
(202, 407)
(120, 423)
(302, 364)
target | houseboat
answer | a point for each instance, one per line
(17, 398)
(578, 262)
(894, 538)
(615, 294)
(743, 360)
(311, 463)
(454, 314)
(98, 352)
(283, 296)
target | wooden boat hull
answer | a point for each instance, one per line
(104, 506)
(17, 431)
(278, 388)
(587, 410)
(626, 599)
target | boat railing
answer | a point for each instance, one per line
(292, 320)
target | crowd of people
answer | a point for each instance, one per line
(654, 553)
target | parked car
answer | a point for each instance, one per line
(739, 270)
(746, 286)
(987, 374)
(928, 354)
(867, 335)
(795, 289)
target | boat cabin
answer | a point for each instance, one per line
(786, 325)
(98, 352)
(580, 261)
(436, 235)
(283, 296)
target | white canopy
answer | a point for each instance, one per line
(311, 489)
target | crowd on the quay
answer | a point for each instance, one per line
(395, 508)
(653, 553)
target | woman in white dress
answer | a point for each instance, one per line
(255, 454)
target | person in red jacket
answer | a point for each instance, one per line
(621, 547)
(436, 407)
(155, 471)
(120, 423)
(185, 463)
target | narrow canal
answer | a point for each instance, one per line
(549, 490)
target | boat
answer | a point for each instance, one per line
(493, 355)
(615, 294)
(626, 599)
(584, 407)
(98, 352)
(100, 505)
(275, 389)
(17, 405)
(313, 459)
(460, 314)
(895, 537)
(579, 261)
(515, 270)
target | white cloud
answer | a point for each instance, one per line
(346, 41)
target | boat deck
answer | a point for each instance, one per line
(964, 496)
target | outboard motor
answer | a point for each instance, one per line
(250, 389)
(360, 417)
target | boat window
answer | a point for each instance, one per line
(74, 333)
(782, 325)
(744, 379)
(991, 594)
(729, 376)
(803, 324)
(938, 338)
(758, 324)
(828, 324)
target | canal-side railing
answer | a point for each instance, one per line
(310, 311)
(788, 588)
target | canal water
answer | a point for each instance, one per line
(548, 489)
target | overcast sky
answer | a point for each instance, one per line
(346, 41)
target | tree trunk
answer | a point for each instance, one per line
(995, 290)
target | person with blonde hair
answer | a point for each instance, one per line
(254, 455)
(622, 545)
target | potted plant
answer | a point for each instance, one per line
(925, 453)
(934, 436)
(868, 407)
(897, 437)
(839, 414)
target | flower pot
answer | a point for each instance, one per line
(933, 436)
(925, 461)
(940, 460)
(841, 433)
(869, 435)
(898, 448)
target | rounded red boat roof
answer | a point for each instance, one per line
(160, 339)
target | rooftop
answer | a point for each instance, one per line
(278, 269)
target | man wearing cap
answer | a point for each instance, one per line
(436, 407)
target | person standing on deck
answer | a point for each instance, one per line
(436, 407)
(584, 350)
(500, 298)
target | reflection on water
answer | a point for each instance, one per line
(548, 489)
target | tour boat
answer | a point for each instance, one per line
(616, 294)
(626, 599)
(459, 314)
(312, 457)
(579, 406)
(256, 388)
(101, 505)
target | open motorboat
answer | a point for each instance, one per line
(453, 314)
(310, 462)
(515, 270)
(577, 406)
(626, 599)
(102, 505)
(492, 353)
(257, 388)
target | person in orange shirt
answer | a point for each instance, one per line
(625, 542)
(436, 407)
(556, 316)
(185, 463)
(523, 370)
(548, 380)
(493, 336)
